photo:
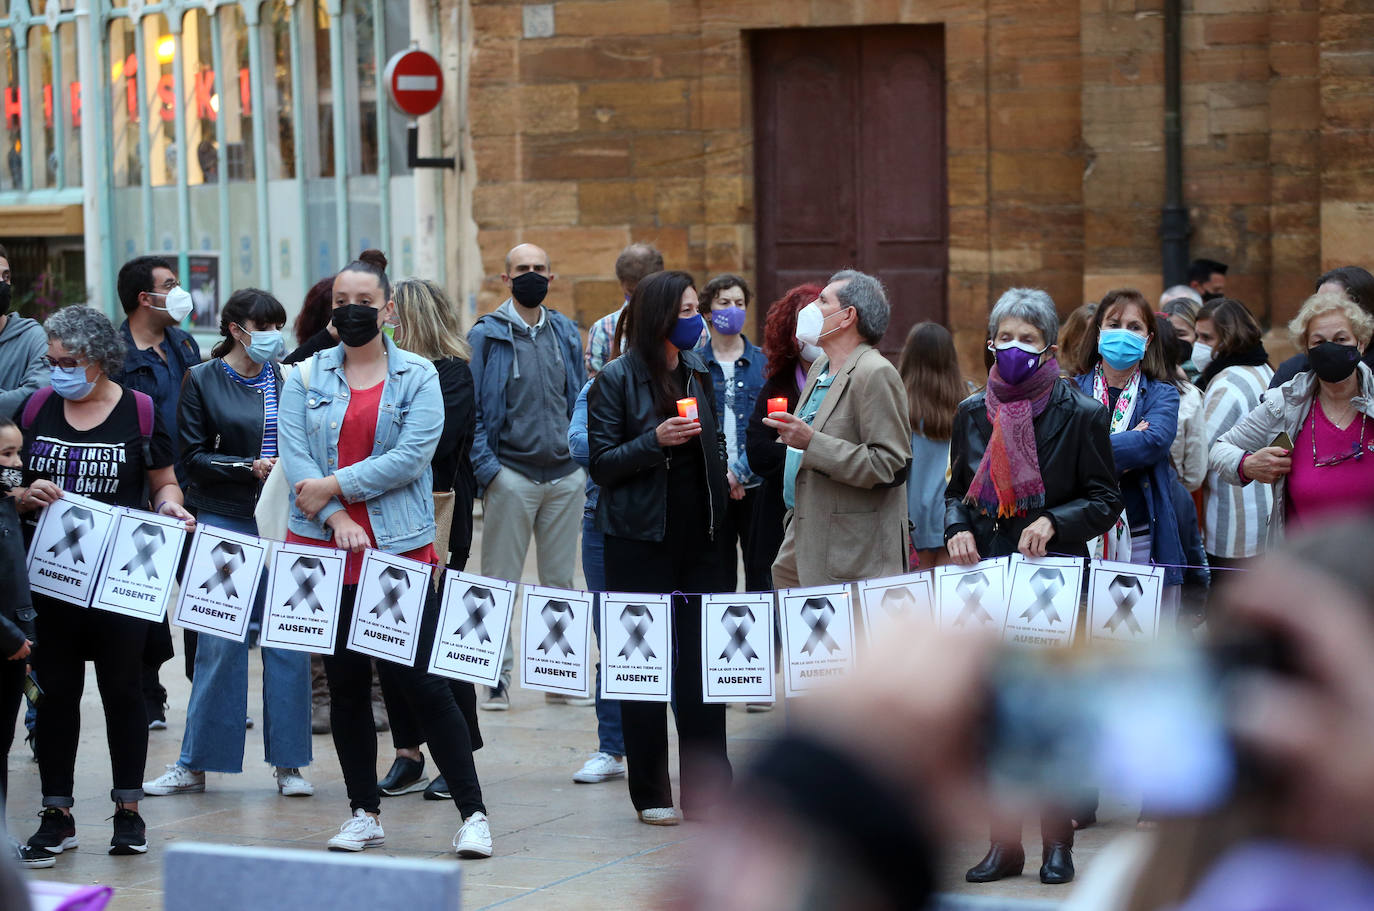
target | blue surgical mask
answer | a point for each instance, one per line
(71, 383)
(1122, 349)
(266, 345)
(687, 332)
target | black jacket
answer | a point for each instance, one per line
(767, 457)
(318, 342)
(626, 460)
(1073, 442)
(452, 463)
(16, 604)
(221, 423)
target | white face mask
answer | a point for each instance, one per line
(812, 353)
(178, 303)
(811, 323)
(1202, 355)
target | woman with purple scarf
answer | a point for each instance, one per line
(1031, 472)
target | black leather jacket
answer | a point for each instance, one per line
(625, 458)
(221, 424)
(1073, 442)
(16, 604)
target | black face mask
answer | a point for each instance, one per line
(357, 324)
(10, 478)
(529, 288)
(1332, 361)
(6, 293)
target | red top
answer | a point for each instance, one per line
(356, 437)
(1316, 493)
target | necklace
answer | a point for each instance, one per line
(1356, 452)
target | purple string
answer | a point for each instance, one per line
(1232, 569)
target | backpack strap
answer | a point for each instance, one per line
(33, 406)
(145, 423)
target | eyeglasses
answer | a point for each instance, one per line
(66, 363)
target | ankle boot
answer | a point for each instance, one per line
(1002, 860)
(1058, 866)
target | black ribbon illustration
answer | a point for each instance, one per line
(1126, 591)
(227, 557)
(1046, 583)
(479, 602)
(898, 602)
(970, 590)
(148, 540)
(738, 620)
(308, 573)
(637, 622)
(556, 616)
(817, 614)
(395, 583)
(76, 521)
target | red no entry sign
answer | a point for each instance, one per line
(415, 82)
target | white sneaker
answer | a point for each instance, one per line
(474, 838)
(581, 701)
(600, 767)
(176, 780)
(362, 831)
(290, 783)
(659, 816)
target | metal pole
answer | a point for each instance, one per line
(252, 10)
(58, 127)
(221, 152)
(21, 45)
(1173, 224)
(175, 22)
(145, 153)
(298, 128)
(338, 95)
(383, 123)
(95, 161)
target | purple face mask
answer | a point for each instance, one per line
(1016, 364)
(729, 321)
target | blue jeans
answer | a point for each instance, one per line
(610, 736)
(219, 695)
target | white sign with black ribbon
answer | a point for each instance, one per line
(737, 647)
(142, 565)
(390, 603)
(556, 641)
(637, 652)
(1042, 611)
(972, 597)
(817, 636)
(474, 621)
(302, 612)
(1124, 601)
(220, 582)
(68, 546)
(889, 603)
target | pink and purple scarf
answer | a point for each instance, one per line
(1008, 481)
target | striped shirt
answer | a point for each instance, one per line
(266, 383)
(1235, 517)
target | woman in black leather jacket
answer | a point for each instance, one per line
(662, 502)
(227, 419)
(1043, 483)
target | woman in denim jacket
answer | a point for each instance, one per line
(358, 443)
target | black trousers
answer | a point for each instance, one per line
(11, 696)
(68, 637)
(734, 540)
(683, 562)
(441, 722)
(406, 733)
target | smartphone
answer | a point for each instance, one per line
(1147, 722)
(32, 691)
(1283, 441)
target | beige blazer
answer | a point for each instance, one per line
(850, 519)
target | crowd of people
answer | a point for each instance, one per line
(1151, 435)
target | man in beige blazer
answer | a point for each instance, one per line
(849, 446)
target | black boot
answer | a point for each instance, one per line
(1058, 866)
(1003, 859)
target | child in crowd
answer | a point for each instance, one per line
(16, 608)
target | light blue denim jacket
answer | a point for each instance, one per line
(396, 479)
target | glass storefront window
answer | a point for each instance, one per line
(44, 154)
(71, 101)
(324, 110)
(126, 168)
(12, 169)
(200, 98)
(276, 53)
(359, 21)
(235, 97)
(159, 52)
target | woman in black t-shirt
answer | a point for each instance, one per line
(88, 439)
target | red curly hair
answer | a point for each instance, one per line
(780, 330)
(314, 315)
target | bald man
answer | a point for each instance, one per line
(527, 368)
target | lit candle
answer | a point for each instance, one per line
(777, 404)
(687, 408)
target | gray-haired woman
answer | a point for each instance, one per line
(1031, 472)
(95, 438)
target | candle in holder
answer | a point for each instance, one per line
(777, 404)
(687, 408)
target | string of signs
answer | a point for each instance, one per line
(125, 561)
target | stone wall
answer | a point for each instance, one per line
(597, 122)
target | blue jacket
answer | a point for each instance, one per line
(396, 480)
(748, 382)
(580, 449)
(493, 354)
(1142, 457)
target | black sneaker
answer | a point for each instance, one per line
(34, 858)
(406, 775)
(56, 832)
(438, 790)
(157, 713)
(130, 834)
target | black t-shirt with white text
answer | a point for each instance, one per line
(104, 463)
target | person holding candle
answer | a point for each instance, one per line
(662, 502)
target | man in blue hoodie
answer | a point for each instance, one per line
(23, 343)
(527, 368)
